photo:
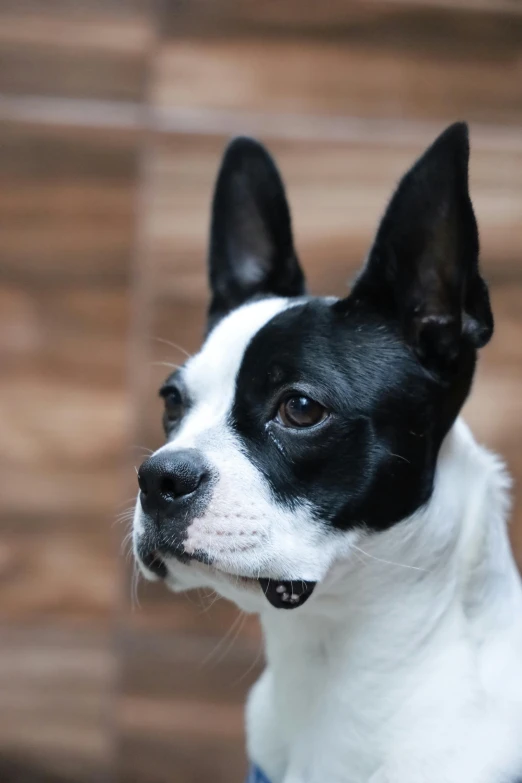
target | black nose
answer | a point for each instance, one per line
(166, 479)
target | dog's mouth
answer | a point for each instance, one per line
(280, 593)
(284, 594)
(155, 563)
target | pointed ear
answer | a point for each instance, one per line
(423, 266)
(251, 247)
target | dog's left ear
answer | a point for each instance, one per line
(251, 247)
(423, 266)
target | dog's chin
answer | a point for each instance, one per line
(248, 592)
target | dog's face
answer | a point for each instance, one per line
(303, 421)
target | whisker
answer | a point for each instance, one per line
(187, 597)
(388, 562)
(359, 558)
(233, 640)
(135, 600)
(214, 595)
(131, 501)
(128, 500)
(128, 512)
(142, 448)
(121, 519)
(124, 517)
(173, 345)
(235, 627)
(399, 457)
(250, 668)
(125, 544)
(166, 364)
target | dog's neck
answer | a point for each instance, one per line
(403, 593)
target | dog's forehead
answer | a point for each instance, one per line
(215, 368)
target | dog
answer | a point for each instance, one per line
(316, 471)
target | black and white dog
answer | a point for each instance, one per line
(315, 462)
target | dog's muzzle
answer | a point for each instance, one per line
(174, 487)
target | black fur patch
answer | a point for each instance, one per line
(372, 461)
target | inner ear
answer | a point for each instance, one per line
(251, 247)
(423, 267)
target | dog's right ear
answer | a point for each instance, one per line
(251, 248)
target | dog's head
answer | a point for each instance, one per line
(304, 420)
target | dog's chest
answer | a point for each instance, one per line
(307, 707)
(328, 710)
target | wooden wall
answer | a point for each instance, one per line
(113, 115)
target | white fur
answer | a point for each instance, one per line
(405, 665)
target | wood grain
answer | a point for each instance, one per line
(407, 21)
(383, 60)
(58, 576)
(75, 50)
(54, 713)
(66, 204)
(181, 710)
(66, 214)
(494, 409)
(66, 220)
(63, 401)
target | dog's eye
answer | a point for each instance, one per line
(173, 405)
(300, 411)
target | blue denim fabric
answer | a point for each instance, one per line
(256, 776)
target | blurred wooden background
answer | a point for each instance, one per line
(113, 115)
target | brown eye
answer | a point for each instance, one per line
(173, 405)
(300, 411)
